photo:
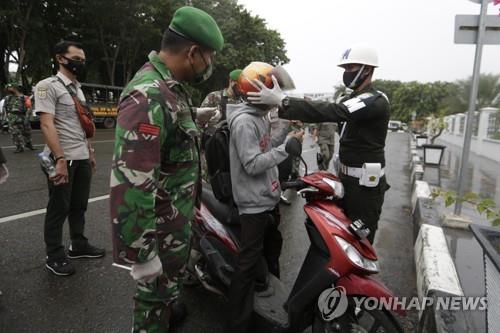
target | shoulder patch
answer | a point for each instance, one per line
(354, 104)
(149, 129)
(41, 92)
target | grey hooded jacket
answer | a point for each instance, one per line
(254, 157)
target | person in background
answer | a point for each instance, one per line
(73, 156)
(221, 98)
(324, 135)
(17, 110)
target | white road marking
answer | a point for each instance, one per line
(42, 211)
(42, 145)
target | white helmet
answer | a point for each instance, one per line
(359, 54)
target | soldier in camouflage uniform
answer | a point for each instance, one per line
(324, 135)
(155, 172)
(225, 96)
(17, 112)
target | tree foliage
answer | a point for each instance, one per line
(118, 35)
(437, 98)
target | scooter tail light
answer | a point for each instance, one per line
(355, 257)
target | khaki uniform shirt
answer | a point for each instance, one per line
(52, 97)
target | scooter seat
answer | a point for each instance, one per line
(225, 213)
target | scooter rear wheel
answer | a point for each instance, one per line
(358, 320)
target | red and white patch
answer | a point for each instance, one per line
(274, 185)
(264, 143)
(149, 129)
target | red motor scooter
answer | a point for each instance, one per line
(334, 275)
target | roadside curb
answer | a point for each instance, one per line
(436, 273)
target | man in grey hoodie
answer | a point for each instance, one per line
(254, 156)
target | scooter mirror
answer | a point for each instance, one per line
(294, 147)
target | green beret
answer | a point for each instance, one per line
(235, 74)
(198, 26)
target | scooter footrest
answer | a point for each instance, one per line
(270, 308)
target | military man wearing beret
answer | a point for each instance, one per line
(221, 98)
(156, 172)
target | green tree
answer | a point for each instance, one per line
(488, 93)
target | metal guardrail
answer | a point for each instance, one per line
(489, 239)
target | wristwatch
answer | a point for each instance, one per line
(59, 158)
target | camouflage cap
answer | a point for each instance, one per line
(198, 26)
(235, 74)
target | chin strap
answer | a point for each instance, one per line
(353, 83)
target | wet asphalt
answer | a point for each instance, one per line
(98, 298)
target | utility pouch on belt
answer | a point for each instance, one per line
(370, 175)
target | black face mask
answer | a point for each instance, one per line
(75, 66)
(354, 79)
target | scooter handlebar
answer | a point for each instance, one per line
(295, 184)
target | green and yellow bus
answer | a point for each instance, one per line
(103, 101)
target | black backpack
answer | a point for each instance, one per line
(217, 158)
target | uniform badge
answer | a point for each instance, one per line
(42, 92)
(372, 178)
(149, 129)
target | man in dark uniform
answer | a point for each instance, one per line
(365, 114)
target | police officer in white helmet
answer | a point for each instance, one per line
(364, 114)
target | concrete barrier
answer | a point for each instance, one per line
(436, 272)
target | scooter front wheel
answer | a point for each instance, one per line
(358, 320)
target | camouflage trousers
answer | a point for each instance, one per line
(153, 299)
(295, 168)
(327, 151)
(20, 130)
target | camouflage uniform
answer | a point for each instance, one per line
(17, 115)
(154, 184)
(214, 99)
(326, 142)
(295, 160)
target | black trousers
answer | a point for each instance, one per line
(364, 203)
(68, 201)
(259, 237)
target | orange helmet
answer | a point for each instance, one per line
(263, 72)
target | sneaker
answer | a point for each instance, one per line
(61, 267)
(87, 251)
(19, 150)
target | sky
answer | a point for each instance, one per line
(414, 39)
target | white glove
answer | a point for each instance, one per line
(203, 115)
(148, 271)
(215, 119)
(265, 95)
(4, 173)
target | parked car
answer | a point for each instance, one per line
(394, 125)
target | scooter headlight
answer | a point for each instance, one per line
(356, 257)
